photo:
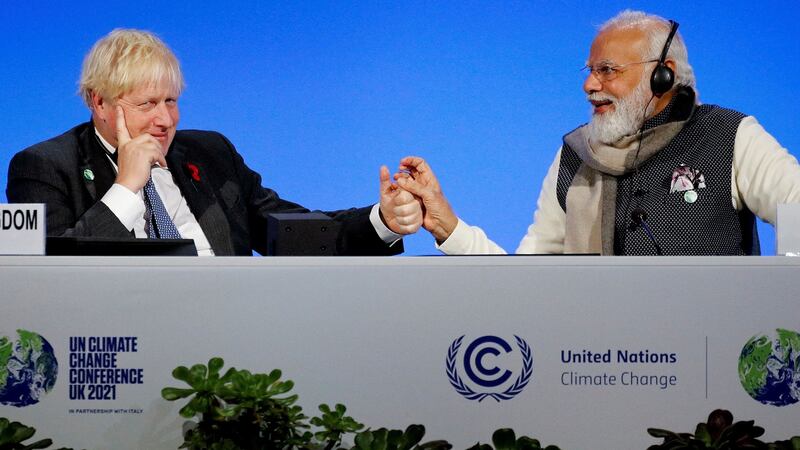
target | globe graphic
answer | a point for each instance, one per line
(769, 368)
(28, 368)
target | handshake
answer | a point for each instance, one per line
(415, 200)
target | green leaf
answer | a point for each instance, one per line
(181, 373)
(364, 440)
(214, 365)
(393, 438)
(439, 445)
(479, 446)
(21, 432)
(527, 443)
(44, 443)
(274, 376)
(228, 374)
(200, 404)
(197, 373)
(227, 411)
(287, 401)
(379, 437)
(172, 394)
(282, 388)
(504, 439)
(701, 433)
(412, 436)
(187, 411)
(659, 433)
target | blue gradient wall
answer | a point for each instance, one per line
(317, 95)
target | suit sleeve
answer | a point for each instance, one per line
(33, 178)
(357, 236)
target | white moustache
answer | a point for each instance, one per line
(598, 97)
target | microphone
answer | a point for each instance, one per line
(639, 217)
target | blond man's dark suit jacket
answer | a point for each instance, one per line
(224, 195)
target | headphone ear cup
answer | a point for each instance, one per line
(661, 80)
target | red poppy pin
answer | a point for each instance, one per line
(193, 171)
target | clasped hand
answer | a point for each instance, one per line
(400, 210)
(417, 178)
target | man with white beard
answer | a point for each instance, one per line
(654, 172)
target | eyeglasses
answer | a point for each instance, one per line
(607, 72)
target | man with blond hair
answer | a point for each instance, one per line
(654, 172)
(130, 172)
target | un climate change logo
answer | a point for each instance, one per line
(769, 368)
(28, 368)
(480, 366)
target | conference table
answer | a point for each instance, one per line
(577, 351)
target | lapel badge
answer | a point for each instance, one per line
(687, 180)
(88, 175)
(194, 171)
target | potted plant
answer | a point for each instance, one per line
(720, 432)
(13, 435)
(238, 409)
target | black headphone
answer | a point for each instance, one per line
(663, 77)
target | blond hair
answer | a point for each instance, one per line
(124, 60)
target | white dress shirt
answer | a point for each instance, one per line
(130, 210)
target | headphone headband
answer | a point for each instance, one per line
(673, 28)
(663, 78)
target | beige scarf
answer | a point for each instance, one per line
(592, 196)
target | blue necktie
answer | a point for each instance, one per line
(160, 224)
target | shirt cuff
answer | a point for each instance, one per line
(388, 236)
(126, 205)
(458, 242)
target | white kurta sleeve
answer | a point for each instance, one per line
(764, 173)
(469, 240)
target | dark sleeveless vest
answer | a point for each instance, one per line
(710, 225)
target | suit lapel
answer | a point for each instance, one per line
(97, 172)
(190, 178)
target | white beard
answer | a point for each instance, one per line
(627, 116)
